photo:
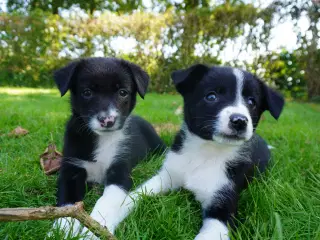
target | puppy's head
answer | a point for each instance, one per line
(224, 104)
(103, 90)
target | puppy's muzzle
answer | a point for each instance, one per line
(107, 122)
(238, 123)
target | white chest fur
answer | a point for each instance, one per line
(201, 167)
(104, 155)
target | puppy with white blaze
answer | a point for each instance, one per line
(103, 141)
(216, 152)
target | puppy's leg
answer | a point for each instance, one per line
(107, 210)
(71, 189)
(71, 184)
(160, 183)
(218, 215)
(70, 226)
(115, 204)
(213, 229)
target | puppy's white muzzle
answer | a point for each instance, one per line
(234, 125)
(105, 121)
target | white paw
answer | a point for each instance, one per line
(213, 229)
(106, 217)
(108, 210)
(212, 236)
(87, 235)
(103, 216)
(68, 225)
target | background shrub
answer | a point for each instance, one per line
(38, 37)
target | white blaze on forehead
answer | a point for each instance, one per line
(237, 107)
(240, 79)
(112, 111)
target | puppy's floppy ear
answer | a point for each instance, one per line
(186, 79)
(272, 100)
(63, 77)
(140, 77)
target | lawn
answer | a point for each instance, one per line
(283, 204)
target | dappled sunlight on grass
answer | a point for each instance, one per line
(25, 91)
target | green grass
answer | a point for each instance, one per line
(284, 204)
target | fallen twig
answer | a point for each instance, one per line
(75, 211)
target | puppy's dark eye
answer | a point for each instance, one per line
(87, 93)
(211, 97)
(251, 102)
(123, 93)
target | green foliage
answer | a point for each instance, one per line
(34, 44)
(35, 40)
(24, 56)
(89, 6)
(284, 71)
(308, 41)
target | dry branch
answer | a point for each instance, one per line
(75, 211)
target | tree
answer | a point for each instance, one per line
(31, 5)
(53, 6)
(308, 42)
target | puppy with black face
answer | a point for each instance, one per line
(103, 142)
(215, 153)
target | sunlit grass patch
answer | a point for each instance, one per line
(24, 91)
(283, 204)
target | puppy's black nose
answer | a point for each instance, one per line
(107, 121)
(238, 122)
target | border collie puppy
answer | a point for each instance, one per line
(215, 153)
(102, 142)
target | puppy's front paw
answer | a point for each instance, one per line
(212, 236)
(69, 226)
(106, 218)
(102, 219)
(88, 235)
(108, 210)
(213, 229)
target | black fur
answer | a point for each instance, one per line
(201, 115)
(95, 85)
(199, 80)
(178, 141)
(224, 207)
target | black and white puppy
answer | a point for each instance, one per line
(102, 142)
(216, 151)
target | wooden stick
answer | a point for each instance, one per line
(76, 211)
